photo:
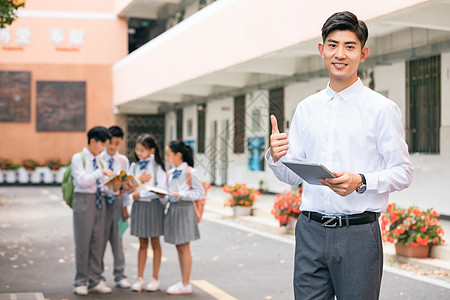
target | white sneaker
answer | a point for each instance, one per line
(81, 290)
(138, 285)
(101, 288)
(153, 285)
(179, 289)
(123, 284)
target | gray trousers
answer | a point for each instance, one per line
(346, 262)
(89, 235)
(113, 215)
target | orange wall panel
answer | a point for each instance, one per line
(21, 140)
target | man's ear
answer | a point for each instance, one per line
(320, 47)
(364, 54)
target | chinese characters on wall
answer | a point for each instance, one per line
(63, 40)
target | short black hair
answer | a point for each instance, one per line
(345, 20)
(98, 133)
(116, 131)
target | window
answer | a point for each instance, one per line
(189, 127)
(201, 127)
(424, 94)
(239, 124)
(179, 124)
(276, 108)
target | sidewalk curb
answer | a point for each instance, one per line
(439, 256)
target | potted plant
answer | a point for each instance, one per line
(29, 164)
(11, 171)
(412, 230)
(242, 198)
(286, 208)
(4, 162)
(52, 166)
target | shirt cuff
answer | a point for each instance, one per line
(371, 181)
(270, 161)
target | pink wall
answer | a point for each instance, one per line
(105, 42)
(71, 5)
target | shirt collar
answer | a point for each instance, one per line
(182, 167)
(88, 154)
(347, 93)
(106, 155)
(151, 157)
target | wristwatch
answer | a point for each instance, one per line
(363, 186)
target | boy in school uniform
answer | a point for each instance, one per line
(89, 214)
(116, 205)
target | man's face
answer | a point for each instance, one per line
(97, 147)
(112, 145)
(342, 54)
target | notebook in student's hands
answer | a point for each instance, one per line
(310, 172)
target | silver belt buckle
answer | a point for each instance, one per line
(330, 219)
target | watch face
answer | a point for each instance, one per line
(362, 189)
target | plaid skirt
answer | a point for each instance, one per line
(180, 223)
(147, 219)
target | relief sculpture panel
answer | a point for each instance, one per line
(15, 94)
(61, 106)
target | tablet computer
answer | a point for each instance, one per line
(310, 172)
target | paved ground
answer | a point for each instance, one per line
(245, 258)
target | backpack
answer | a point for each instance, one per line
(67, 185)
(199, 204)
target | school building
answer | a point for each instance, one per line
(211, 73)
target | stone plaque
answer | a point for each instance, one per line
(61, 106)
(15, 93)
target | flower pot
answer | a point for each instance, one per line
(47, 175)
(239, 211)
(35, 176)
(10, 176)
(410, 251)
(60, 174)
(23, 175)
(289, 228)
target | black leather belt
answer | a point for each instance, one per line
(340, 221)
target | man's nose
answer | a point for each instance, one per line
(340, 52)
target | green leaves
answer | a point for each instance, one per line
(7, 11)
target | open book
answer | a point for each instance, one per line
(129, 183)
(156, 190)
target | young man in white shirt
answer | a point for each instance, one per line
(89, 214)
(116, 204)
(358, 134)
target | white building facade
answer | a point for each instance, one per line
(220, 73)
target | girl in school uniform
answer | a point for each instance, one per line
(180, 224)
(147, 214)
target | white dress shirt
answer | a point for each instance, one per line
(181, 186)
(158, 175)
(85, 177)
(356, 130)
(120, 163)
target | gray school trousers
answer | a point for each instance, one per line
(346, 262)
(89, 235)
(113, 215)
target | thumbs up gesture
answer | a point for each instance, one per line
(279, 143)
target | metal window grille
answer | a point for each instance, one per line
(179, 113)
(139, 124)
(276, 108)
(239, 124)
(424, 93)
(201, 127)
